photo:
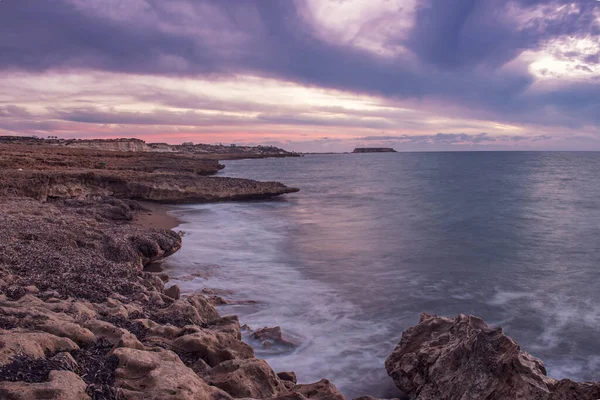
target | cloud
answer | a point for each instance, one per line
(467, 60)
(11, 111)
(454, 138)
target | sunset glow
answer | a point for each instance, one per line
(309, 75)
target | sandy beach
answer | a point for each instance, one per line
(155, 215)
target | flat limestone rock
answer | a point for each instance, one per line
(32, 344)
(61, 385)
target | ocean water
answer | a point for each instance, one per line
(373, 240)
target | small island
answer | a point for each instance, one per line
(374, 150)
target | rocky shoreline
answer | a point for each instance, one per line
(82, 318)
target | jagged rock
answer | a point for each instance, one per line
(213, 347)
(321, 390)
(61, 385)
(173, 292)
(229, 324)
(462, 358)
(32, 344)
(287, 376)
(205, 309)
(270, 336)
(160, 376)
(252, 378)
(180, 313)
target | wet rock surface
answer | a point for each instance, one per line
(462, 358)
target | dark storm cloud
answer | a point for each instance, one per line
(468, 33)
(457, 49)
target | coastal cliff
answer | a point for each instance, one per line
(202, 150)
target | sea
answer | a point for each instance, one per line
(373, 240)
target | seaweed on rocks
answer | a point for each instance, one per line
(95, 365)
(134, 327)
(28, 369)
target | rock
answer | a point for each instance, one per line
(287, 376)
(322, 390)
(270, 336)
(229, 324)
(163, 276)
(173, 292)
(180, 313)
(213, 347)
(374, 150)
(31, 289)
(61, 385)
(129, 340)
(106, 330)
(462, 358)
(205, 309)
(167, 187)
(48, 294)
(15, 292)
(70, 330)
(160, 376)
(251, 378)
(217, 300)
(32, 344)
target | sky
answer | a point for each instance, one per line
(305, 75)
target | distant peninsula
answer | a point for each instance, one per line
(374, 150)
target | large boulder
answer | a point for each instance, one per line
(213, 347)
(321, 390)
(249, 378)
(160, 376)
(462, 358)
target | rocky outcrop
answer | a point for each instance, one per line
(272, 336)
(157, 187)
(132, 145)
(80, 318)
(374, 150)
(462, 358)
(77, 249)
(43, 157)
